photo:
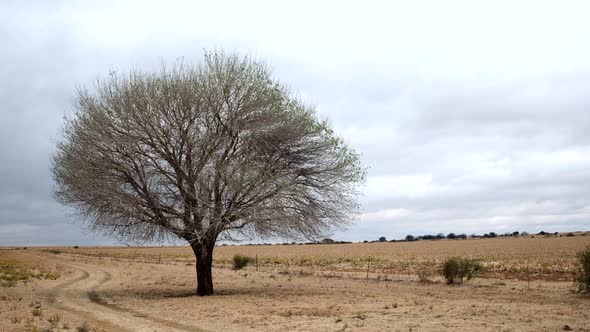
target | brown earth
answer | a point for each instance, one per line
(119, 294)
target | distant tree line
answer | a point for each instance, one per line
(489, 235)
(439, 236)
(454, 236)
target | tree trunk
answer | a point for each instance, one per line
(204, 256)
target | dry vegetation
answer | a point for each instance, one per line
(301, 288)
(546, 258)
(13, 270)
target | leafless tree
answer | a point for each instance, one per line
(216, 150)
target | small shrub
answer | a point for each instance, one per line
(455, 269)
(582, 278)
(240, 261)
(450, 270)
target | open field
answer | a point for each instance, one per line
(298, 287)
(537, 258)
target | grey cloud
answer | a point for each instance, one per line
(464, 128)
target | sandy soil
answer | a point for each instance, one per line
(114, 295)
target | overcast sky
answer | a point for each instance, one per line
(471, 117)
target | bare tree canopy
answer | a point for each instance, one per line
(199, 152)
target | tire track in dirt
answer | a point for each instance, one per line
(72, 299)
(64, 289)
(94, 297)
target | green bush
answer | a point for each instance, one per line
(456, 269)
(242, 261)
(582, 278)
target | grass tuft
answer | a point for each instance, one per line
(37, 312)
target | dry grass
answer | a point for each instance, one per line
(546, 258)
(13, 271)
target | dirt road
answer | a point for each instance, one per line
(81, 295)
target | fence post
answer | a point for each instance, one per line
(368, 267)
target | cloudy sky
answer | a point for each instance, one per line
(471, 117)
